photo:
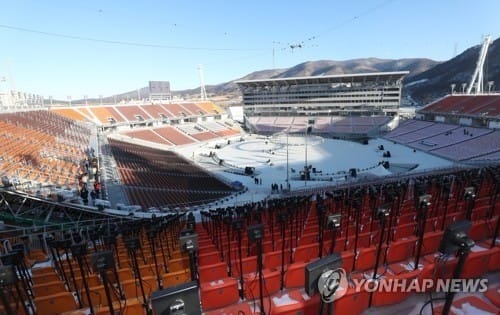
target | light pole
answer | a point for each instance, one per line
(287, 167)
(306, 169)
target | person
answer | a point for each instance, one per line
(97, 188)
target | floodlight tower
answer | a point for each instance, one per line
(477, 77)
(203, 92)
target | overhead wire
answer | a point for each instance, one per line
(123, 43)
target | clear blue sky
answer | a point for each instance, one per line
(240, 37)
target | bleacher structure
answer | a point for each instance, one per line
(123, 116)
(346, 106)
(47, 148)
(478, 110)
(290, 239)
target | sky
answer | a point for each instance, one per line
(77, 48)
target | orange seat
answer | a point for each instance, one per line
(41, 278)
(178, 277)
(132, 288)
(55, 304)
(219, 293)
(48, 288)
(129, 307)
(178, 264)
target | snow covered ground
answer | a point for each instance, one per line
(333, 158)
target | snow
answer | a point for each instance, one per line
(333, 158)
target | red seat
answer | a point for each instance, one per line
(383, 297)
(212, 272)
(366, 258)
(352, 302)
(404, 230)
(273, 259)
(209, 258)
(290, 303)
(242, 308)
(306, 252)
(431, 242)
(249, 264)
(271, 283)
(401, 250)
(295, 275)
(479, 231)
(494, 263)
(476, 263)
(219, 293)
(347, 260)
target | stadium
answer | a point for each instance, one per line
(174, 207)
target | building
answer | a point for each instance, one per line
(329, 99)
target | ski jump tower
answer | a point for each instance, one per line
(477, 78)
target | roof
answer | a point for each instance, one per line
(334, 78)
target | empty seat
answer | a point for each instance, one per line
(178, 264)
(401, 249)
(212, 272)
(271, 283)
(290, 303)
(306, 252)
(295, 275)
(55, 304)
(273, 259)
(209, 258)
(219, 293)
(48, 288)
(178, 277)
(477, 262)
(249, 264)
(366, 258)
(387, 297)
(238, 309)
(352, 302)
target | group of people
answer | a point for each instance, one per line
(257, 181)
(275, 188)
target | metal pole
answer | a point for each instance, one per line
(287, 167)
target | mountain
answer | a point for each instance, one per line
(320, 67)
(436, 81)
(427, 81)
